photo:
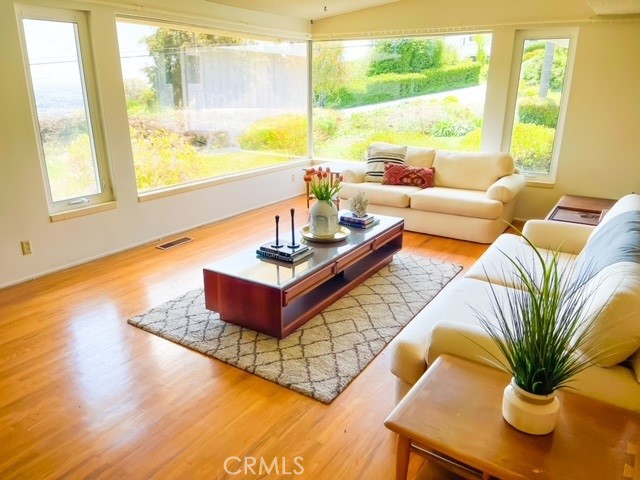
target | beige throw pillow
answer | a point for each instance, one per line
(378, 154)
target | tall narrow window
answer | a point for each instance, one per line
(539, 103)
(205, 105)
(59, 65)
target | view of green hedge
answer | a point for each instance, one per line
(282, 134)
(539, 111)
(393, 86)
(532, 146)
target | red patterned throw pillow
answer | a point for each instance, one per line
(406, 175)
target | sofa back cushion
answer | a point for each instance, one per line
(380, 153)
(471, 170)
(611, 259)
(420, 157)
(627, 203)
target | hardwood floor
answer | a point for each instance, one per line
(85, 395)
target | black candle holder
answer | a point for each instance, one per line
(293, 243)
(277, 244)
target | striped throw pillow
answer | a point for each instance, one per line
(377, 155)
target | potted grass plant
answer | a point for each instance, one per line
(543, 331)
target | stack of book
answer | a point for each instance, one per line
(349, 220)
(284, 253)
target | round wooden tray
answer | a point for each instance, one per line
(340, 235)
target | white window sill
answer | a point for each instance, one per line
(210, 182)
(538, 183)
(81, 212)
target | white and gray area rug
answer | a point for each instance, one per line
(323, 356)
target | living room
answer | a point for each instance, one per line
(72, 325)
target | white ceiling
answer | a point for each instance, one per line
(615, 7)
(305, 9)
(317, 9)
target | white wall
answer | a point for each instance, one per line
(407, 15)
(23, 206)
(598, 156)
(600, 149)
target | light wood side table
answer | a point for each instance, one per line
(577, 209)
(452, 416)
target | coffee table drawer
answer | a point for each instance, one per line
(307, 284)
(352, 257)
(387, 237)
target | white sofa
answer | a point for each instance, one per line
(473, 198)
(449, 325)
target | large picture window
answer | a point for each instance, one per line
(61, 73)
(538, 101)
(205, 105)
(427, 91)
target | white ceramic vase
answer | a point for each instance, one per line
(323, 219)
(528, 412)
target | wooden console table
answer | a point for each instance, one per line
(577, 209)
(452, 415)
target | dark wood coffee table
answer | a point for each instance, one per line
(452, 415)
(276, 298)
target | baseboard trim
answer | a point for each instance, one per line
(139, 244)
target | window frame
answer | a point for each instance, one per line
(466, 36)
(521, 36)
(294, 161)
(92, 105)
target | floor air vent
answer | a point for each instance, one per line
(174, 243)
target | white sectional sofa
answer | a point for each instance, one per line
(473, 197)
(448, 324)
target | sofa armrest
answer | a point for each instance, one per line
(506, 188)
(462, 340)
(355, 173)
(563, 236)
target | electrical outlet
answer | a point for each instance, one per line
(25, 245)
(293, 178)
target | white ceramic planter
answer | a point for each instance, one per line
(323, 219)
(529, 413)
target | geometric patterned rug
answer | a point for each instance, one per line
(324, 355)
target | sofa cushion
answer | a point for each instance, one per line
(379, 154)
(614, 300)
(471, 170)
(611, 262)
(453, 303)
(635, 364)
(455, 201)
(494, 264)
(627, 203)
(407, 175)
(389, 195)
(420, 156)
